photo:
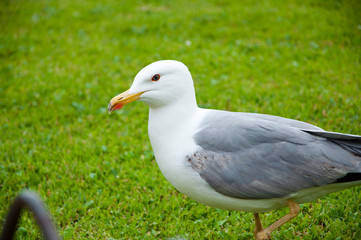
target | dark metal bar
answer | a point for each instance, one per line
(31, 201)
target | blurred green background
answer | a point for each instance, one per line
(62, 61)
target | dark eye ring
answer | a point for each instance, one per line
(156, 77)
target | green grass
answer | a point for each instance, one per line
(62, 61)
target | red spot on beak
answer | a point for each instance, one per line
(114, 107)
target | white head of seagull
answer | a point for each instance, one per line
(159, 84)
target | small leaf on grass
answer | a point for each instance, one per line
(104, 148)
(78, 106)
(22, 231)
(114, 172)
(102, 110)
(89, 204)
(221, 222)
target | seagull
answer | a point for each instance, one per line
(235, 160)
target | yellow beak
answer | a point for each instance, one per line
(122, 99)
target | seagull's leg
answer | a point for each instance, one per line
(259, 227)
(294, 210)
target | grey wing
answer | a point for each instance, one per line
(252, 158)
(282, 121)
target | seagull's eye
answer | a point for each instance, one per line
(156, 77)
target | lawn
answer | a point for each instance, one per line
(62, 61)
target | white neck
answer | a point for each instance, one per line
(171, 119)
(171, 130)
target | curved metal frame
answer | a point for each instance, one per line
(31, 201)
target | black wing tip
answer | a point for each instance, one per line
(349, 177)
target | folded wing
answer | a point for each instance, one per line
(253, 157)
